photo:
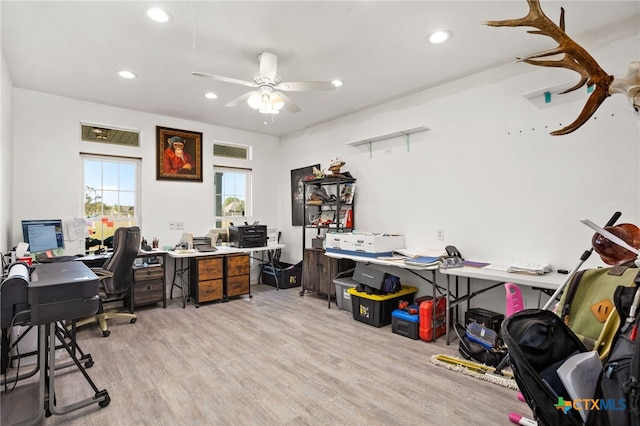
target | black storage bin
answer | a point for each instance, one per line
(489, 319)
(289, 275)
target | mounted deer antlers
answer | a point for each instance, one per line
(575, 58)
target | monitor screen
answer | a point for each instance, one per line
(43, 235)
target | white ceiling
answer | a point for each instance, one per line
(378, 49)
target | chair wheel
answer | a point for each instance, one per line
(106, 333)
(133, 320)
(47, 413)
(105, 402)
(88, 364)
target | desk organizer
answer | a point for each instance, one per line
(376, 309)
(405, 324)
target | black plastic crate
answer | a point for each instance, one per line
(489, 319)
(289, 275)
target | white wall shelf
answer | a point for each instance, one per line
(402, 133)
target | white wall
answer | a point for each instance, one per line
(47, 166)
(6, 156)
(487, 173)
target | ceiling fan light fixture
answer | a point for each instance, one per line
(439, 36)
(158, 15)
(127, 74)
(277, 103)
(255, 100)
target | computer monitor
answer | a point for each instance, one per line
(43, 235)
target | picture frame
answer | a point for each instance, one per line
(179, 154)
(297, 193)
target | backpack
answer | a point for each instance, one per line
(539, 342)
(587, 305)
(619, 381)
(391, 284)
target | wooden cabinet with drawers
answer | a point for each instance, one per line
(206, 279)
(148, 282)
(236, 273)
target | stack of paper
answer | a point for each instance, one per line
(422, 261)
(526, 267)
(579, 375)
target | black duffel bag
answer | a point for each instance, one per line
(476, 352)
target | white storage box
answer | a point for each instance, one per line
(364, 242)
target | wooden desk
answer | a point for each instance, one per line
(549, 281)
(195, 258)
(414, 269)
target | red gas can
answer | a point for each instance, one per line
(426, 318)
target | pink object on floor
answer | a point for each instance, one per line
(521, 397)
(519, 420)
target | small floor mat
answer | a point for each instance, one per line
(483, 372)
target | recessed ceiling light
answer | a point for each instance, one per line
(439, 36)
(337, 83)
(210, 95)
(158, 15)
(127, 74)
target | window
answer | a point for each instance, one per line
(232, 195)
(111, 196)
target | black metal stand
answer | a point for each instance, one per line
(47, 334)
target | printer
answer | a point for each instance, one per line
(247, 236)
(50, 292)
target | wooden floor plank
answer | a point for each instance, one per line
(274, 359)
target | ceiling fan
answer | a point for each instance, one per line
(268, 98)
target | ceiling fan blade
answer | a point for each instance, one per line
(288, 103)
(239, 99)
(225, 79)
(305, 86)
(268, 65)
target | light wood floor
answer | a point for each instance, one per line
(274, 359)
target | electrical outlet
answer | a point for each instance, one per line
(172, 225)
(387, 151)
(440, 234)
(180, 225)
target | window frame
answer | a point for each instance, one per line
(248, 202)
(136, 220)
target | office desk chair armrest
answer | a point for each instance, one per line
(102, 273)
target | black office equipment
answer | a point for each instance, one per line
(246, 236)
(43, 235)
(116, 276)
(45, 296)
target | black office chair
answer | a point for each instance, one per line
(116, 277)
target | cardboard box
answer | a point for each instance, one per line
(375, 309)
(364, 242)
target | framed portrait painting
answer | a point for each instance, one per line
(179, 154)
(297, 193)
